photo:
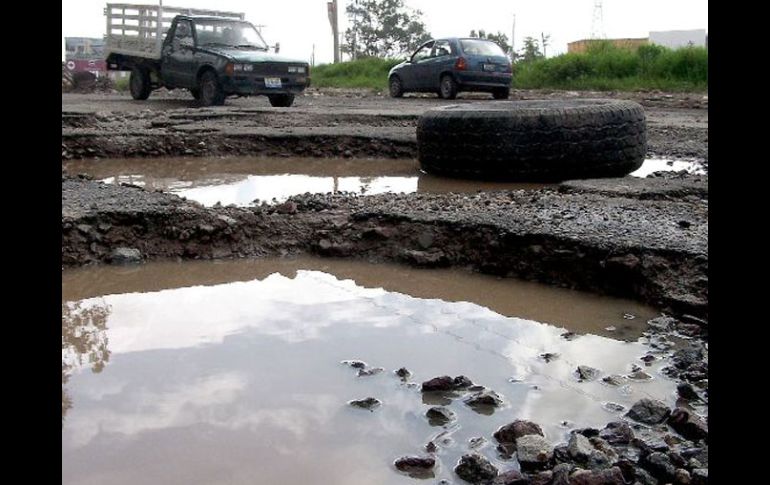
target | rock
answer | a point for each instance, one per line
(617, 433)
(416, 466)
(287, 207)
(649, 411)
(699, 476)
(662, 324)
(685, 358)
(542, 478)
(515, 430)
(687, 392)
(643, 477)
(476, 442)
(369, 372)
(586, 373)
(403, 373)
(511, 477)
(549, 356)
(610, 476)
(613, 380)
(579, 448)
(533, 451)
(439, 416)
(649, 444)
(443, 383)
(659, 465)
(689, 329)
(689, 425)
(446, 383)
(682, 477)
(639, 375)
(368, 403)
(356, 364)
(613, 407)
(484, 399)
(474, 468)
(123, 255)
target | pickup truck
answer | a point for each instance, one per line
(211, 53)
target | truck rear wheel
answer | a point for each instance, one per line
(139, 83)
(210, 90)
(281, 100)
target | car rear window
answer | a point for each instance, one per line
(481, 47)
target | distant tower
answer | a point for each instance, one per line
(597, 24)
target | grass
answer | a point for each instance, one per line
(606, 67)
(371, 73)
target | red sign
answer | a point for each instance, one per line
(91, 65)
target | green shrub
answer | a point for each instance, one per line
(370, 72)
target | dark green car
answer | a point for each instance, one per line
(214, 58)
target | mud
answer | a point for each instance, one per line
(587, 238)
(321, 124)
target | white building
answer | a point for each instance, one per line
(674, 39)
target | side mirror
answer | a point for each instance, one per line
(277, 47)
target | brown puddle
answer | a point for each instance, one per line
(242, 180)
(229, 372)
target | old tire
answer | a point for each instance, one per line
(544, 140)
(139, 83)
(210, 89)
(396, 87)
(281, 100)
(448, 87)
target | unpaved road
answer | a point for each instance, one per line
(322, 123)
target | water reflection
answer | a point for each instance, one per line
(241, 382)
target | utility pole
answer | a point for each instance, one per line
(513, 40)
(332, 8)
(542, 38)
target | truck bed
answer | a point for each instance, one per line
(138, 30)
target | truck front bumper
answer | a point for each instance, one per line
(264, 85)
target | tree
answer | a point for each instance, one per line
(499, 38)
(531, 50)
(383, 28)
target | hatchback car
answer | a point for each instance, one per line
(449, 66)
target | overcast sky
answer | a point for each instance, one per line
(300, 24)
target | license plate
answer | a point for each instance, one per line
(489, 67)
(272, 82)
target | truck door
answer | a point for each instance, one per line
(178, 62)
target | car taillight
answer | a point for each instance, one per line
(461, 65)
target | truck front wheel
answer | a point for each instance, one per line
(210, 90)
(281, 100)
(140, 83)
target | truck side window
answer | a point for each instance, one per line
(183, 34)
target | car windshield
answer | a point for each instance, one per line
(481, 47)
(229, 33)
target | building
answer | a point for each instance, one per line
(675, 39)
(580, 46)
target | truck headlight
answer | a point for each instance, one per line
(297, 69)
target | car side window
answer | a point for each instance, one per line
(423, 52)
(442, 48)
(183, 33)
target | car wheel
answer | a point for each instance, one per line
(139, 84)
(281, 100)
(211, 92)
(396, 88)
(196, 93)
(448, 88)
(502, 93)
(537, 140)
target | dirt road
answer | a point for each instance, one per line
(322, 123)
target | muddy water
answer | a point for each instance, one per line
(230, 372)
(245, 180)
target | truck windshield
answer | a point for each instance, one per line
(229, 33)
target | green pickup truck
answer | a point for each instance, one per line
(212, 54)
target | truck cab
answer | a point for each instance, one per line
(211, 56)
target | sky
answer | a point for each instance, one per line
(302, 26)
